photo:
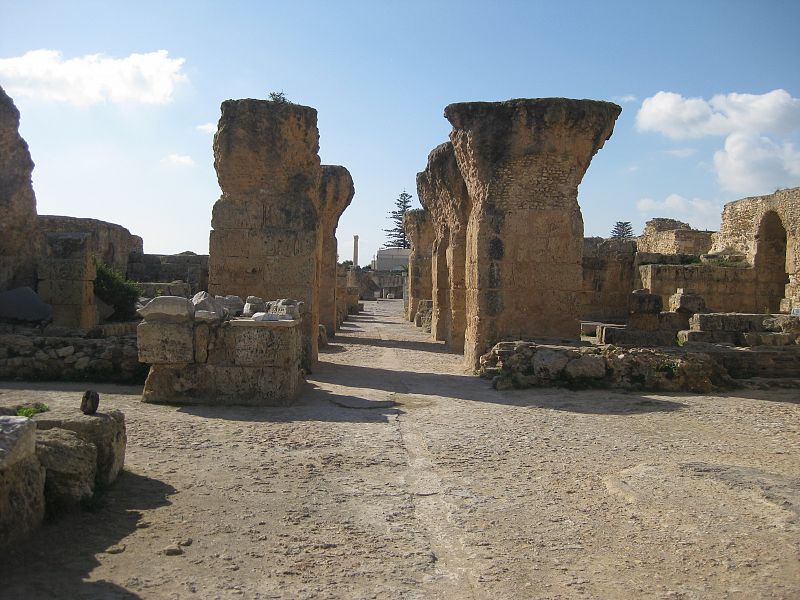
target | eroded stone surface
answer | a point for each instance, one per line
(17, 203)
(71, 467)
(105, 430)
(418, 226)
(21, 480)
(266, 224)
(336, 194)
(442, 192)
(522, 161)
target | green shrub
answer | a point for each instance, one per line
(28, 410)
(112, 288)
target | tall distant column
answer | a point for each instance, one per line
(266, 224)
(355, 250)
(336, 194)
(522, 161)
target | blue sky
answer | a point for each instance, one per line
(709, 92)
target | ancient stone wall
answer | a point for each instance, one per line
(766, 229)
(609, 277)
(266, 224)
(157, 269)
(443, 193)
(336, 194)
(418, 226)
(522, 161)
(111, 243)
(66, 279)
(25, 353)
(725, 289)
(668, 236)
(18, 232)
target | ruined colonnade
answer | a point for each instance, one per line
(503, 197)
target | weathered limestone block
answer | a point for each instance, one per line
(18, 230)
(687, 301)
(442, 191)
(266, 224)
(609, 276)
(522, 161)
(168, 308)
(21, 480)
(71, 467)
(336, 194)
(105, 430)
(163, 342)
(249, 362)
(419, 230)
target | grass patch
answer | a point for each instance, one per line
(28, 410)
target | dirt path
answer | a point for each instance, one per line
(455, 491)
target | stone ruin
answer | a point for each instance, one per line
(419, 231)
(201, 352)
(509, 261)
(278, 207)
(503, 197)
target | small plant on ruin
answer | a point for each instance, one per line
(112, 288)
(278, 98)
(28, 410)
(396, 236)
(622, 230)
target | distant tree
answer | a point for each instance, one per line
(622, 230)
(346, 263)
(396, 236)
(279, 98)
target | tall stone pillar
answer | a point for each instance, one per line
(522, 162)
(419, 230)
(265, 235)
(18, 228)
(336, 194)
(442, 191)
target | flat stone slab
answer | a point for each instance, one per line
(251, 323)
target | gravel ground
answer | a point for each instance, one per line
(398, 476)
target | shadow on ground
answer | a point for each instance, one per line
(54, 562)
(472, 388)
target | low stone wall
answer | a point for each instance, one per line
(530, 364)
(28, 355)
(206, 360)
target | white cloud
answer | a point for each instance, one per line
(699, 213)
(681, 152)
(678, 118)
(627, 99)
(207, 127)
(149, 78)
(758, 154)
(181, 160)
(753, 164)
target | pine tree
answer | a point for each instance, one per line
(622, 230)
(396, 236)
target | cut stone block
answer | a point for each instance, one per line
(164, 342)
(71, 467)
(106, 430)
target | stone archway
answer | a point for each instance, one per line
(770, 262)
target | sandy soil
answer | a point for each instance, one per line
(455, 491)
